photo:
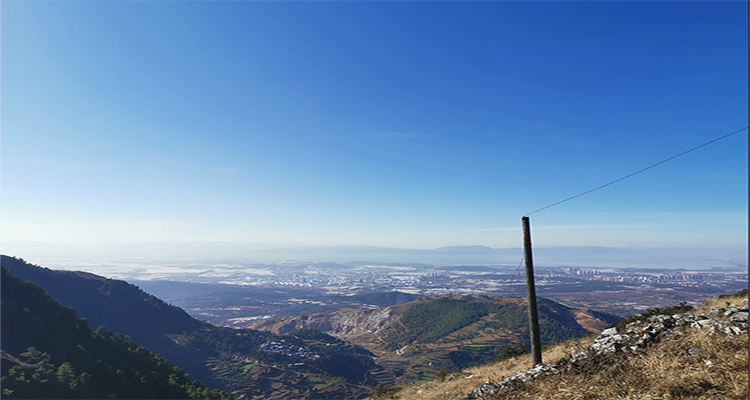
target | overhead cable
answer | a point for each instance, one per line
(636, 172)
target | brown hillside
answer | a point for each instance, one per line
(404, 356)
(706, 359)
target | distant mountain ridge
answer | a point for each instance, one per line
(473, 249)
(590, 257)
(116, 304)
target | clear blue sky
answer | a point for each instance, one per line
(404, 124)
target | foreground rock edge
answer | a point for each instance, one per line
(635, 337)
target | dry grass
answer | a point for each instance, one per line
(718, 370)
(723, 302)
(456, 386)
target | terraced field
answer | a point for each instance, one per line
(414, 341)
(477, 342)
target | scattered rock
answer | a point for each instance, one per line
(740, 316)
(716, 311)
(483, 390)
(637, 336)
(609, 331)
(514, 382)
(608, 344)
(730, 311)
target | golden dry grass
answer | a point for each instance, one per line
(719, 370)
(723, 302)
(668, 371)
(456, 386)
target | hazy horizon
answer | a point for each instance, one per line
(117, 255)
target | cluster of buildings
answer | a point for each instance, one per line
(681, 278)
(288, 350)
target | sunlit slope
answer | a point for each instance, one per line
(415, 340)
(700, 353)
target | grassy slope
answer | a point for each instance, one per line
(667, 371)
(454, 332)
(499, 322)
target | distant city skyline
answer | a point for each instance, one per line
(413, 125)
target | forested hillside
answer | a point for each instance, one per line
(246, 362)
(430, 321)
(460, 331)
(416, 340)
(116, 304)
(50, 353)
(400, 343)
(679, 352)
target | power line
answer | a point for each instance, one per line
(509, 286)
(637, 172)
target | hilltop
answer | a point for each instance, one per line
(416, 340)
(672, 353)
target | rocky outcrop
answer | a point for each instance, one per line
(635, 337)
(516, 381)
(343, 324)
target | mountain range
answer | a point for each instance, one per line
(591, 256)
(415, 340)
(343, 354)
(248, 363)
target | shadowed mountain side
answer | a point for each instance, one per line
(47, 352)
(120, 307)
(249, 363)
(116, 304)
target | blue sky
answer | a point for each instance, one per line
(404, 124)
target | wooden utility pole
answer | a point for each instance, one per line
(536, 347)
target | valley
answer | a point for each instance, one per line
(414, 341)
(235, 294)
(352, 332)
